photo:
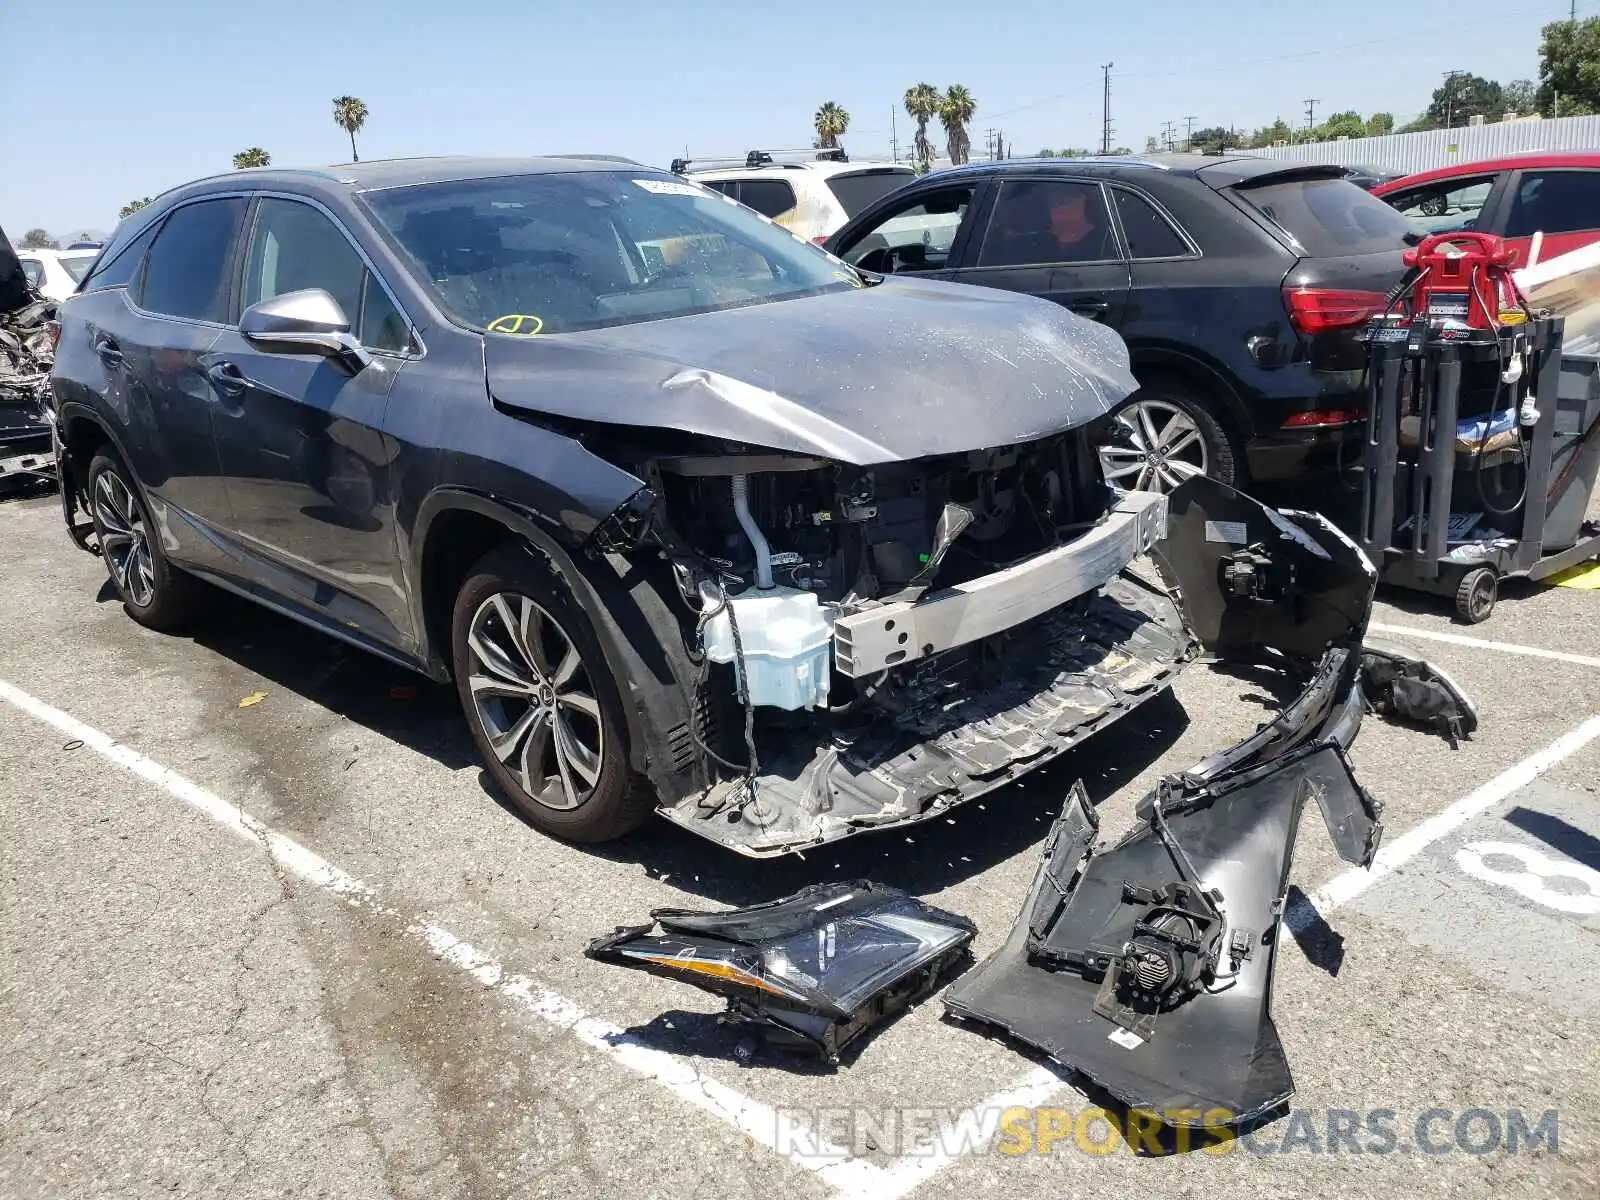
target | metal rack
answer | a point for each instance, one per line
(1413, 525)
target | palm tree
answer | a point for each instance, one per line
(350, 114)
(922, 105)
(253, 157)
(132, 207)
(831, 122)
(954, 113)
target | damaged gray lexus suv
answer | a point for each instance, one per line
(696, 517)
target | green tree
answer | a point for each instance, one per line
(955, 112)
(1521, 96)
(1380, 123)
(1209, 140)
(1270, 135)
(350, 115)
(253, 157)
(38, 239)
(1123, 150)
(1342, 124)
(922, 105)
(831, 121)
(1045, 154)
(1569, 68)
(132, 207)
(1463, 96)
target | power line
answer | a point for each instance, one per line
(1311, 114)
(1188, 133)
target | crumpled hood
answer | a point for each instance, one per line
(900, 370)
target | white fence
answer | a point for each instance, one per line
(1408, 153)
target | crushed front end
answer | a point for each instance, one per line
(874, 644)
(26, 354)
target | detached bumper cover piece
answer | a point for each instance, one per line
(1147, 965)
(814, 970)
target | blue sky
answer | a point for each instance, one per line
(123, 100)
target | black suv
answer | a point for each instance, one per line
(1238, 284)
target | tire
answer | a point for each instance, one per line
(153, 592)
(566, 771)
(1476, 595)
(1189, 437)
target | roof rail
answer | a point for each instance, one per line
(761, 158)
(616, 158)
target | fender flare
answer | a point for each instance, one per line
(629, 607)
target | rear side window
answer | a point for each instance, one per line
(1329, 218)
(190, 263)
(77, 265)
(122, 268)
(769, 197)
(1555, 202)
(856, 191)
(34, 270)
(1149, 234)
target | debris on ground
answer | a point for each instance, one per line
(813, 971)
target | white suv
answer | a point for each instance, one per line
(54, 274)
(810, 198)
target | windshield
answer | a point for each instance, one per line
(553, 253)
(1331, 218)
(77, 265)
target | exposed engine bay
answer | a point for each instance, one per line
(876, 643)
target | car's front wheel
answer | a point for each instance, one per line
(544, 710)
(154, 592)
(1164, 435)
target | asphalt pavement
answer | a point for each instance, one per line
(295, 947)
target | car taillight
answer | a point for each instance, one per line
(52, 330)
(1317, 310)
(819, 240)
(1322, 418)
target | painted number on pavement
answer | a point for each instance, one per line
(1532, 880)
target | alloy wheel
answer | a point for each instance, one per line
(1161, 448)
(124, 539)
(532, 695)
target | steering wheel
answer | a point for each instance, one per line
(516, 324)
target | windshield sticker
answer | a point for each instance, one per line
(670, 187)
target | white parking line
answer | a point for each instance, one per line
(1456, 639)
(848, 1177)
(1347, 885)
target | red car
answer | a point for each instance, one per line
(1515, 197)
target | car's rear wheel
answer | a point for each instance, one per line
(152, 590)
(1165, 435)
(543, 709)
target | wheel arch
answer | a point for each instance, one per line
(629, 604)
(1154, 362)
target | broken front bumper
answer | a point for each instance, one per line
(893, 635)
(1147, 965)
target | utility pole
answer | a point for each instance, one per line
(894, 140)
(1188, 133)
(1169, 131)
(1105, 123)
(1450, 98)
(1311, 115)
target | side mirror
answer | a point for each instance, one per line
(304, 322)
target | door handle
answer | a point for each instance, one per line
(1091, 308)
(226, 378)
(108, 350)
